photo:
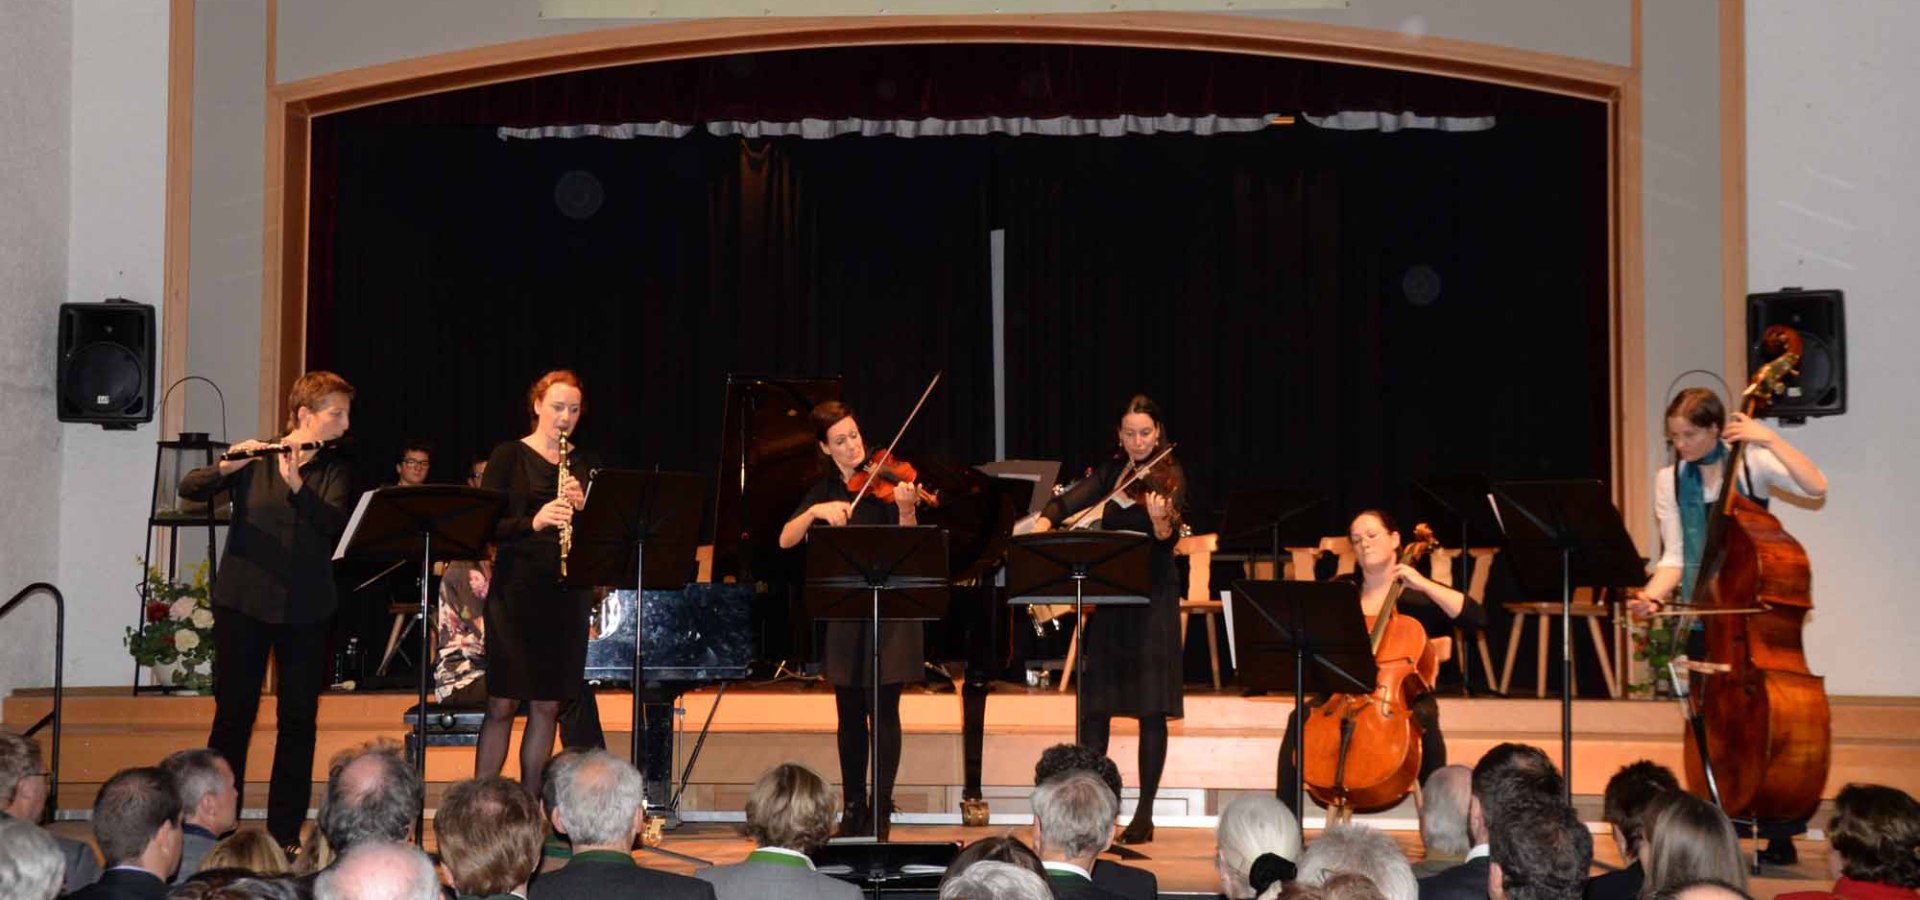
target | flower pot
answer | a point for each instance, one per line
(167, 675)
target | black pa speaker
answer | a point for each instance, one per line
(1820, 318)
(106, 363)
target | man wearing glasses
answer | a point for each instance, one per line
(415, 459)
(24, 784)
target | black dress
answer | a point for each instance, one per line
(536, 626)
(844, 651)
(1132, 653)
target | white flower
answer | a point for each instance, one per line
(182, 608)
(202, 618)
(184, 640)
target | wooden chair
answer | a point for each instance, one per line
(1584, 607)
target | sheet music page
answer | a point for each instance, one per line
(353, 524)
(1233, 656)
(1496, 514)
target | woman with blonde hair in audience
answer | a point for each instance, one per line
(1258, 843)
(790, 811)
(250, 849)
(1688, 839)
(1874, 845)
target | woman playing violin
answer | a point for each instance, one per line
(1132, 654)
(846, 651)
(1438, 608)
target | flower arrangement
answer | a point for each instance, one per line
(1653, 644)
(176, 629)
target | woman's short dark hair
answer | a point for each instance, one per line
(1001, 848)
(1877, 830)
(1386, 521)
(1699, 406)
(826, 415)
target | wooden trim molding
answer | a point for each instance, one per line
(1733, 184)
(291, 107)
(179, 211)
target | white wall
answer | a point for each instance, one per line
(34, 61)
(1832, 125)
(118, 160)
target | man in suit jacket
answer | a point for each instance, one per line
(789, 813)
(1127, 881)
(1539, 851)
(136, 820)
(1445, 835)
(209, 802)
(23, 795)
(1072, 823)
(598, 804)
(1466, 880)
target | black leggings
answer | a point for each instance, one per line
(1433, 746)
(854, 706)
(1096, 731)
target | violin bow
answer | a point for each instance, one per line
(899, 434)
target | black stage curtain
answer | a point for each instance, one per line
(1347, 312)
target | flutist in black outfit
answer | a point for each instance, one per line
(275, 592)
(847, 652)
(1133, 653)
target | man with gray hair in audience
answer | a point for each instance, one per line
(30, 864)
(379, 870)
(1073, 817)
(598, 804)
(1359, 850)
(1444, 835)
(209, 803)
(23, 795)
(136, 820)
(372, 795)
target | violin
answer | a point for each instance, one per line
(881, 472)
(1160, 479)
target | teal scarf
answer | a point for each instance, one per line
(1691, 496)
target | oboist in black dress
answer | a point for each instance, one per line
(1438, 608)
(536, 626)
(846, 649)
(1133, 653)
(275, 591)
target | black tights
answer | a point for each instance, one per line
(1096, 731)
(536, 743)
(854, 706)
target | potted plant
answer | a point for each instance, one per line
(175, 637)
(1654, 646)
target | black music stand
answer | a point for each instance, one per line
(1089, 568)
(873, 573)
(1459, 501)
(454, 521)
(1273, 512)
(639, 528)
(1317, 621)
(905, 867)
(1556, 532)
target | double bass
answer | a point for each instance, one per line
(1759, 734)
(1361, 752)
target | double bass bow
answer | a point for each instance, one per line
(1361, 752)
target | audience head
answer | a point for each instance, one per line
(1875, 835)
(1628, 793)
(1062, 758)
(599, 802)
(1539, 851)
(1258, 842)
(988, 880)
(1511, 774)
(554, 776)
(1073, 817)
(1362, 851)
(1002, 849)
(1444, 803)
(1687, 840)
(1706, 889)
(489, 832)
(379, 870)
(235, 884)
(372, 795)
(252, 850)
(136, 820)
(31, 867)
(208, 796)
(476, 469)
(791, 807)
(23, 780)
(1348, 886)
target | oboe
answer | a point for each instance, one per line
(566, 528)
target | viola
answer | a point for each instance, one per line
(881, 472)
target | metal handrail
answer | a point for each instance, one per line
(59, 668)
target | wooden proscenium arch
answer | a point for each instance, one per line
(292, 106)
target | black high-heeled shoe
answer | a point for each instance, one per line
(1138, 831)
(883, 819)
(853, 821)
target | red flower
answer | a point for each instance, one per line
(156, 611)
(167, 639)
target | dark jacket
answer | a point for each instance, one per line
(597, 875)
(1126, 881)
(1466, 881)
(278, 567)
(124, 884)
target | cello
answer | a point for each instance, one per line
(1759, 735)
(1361, 752)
